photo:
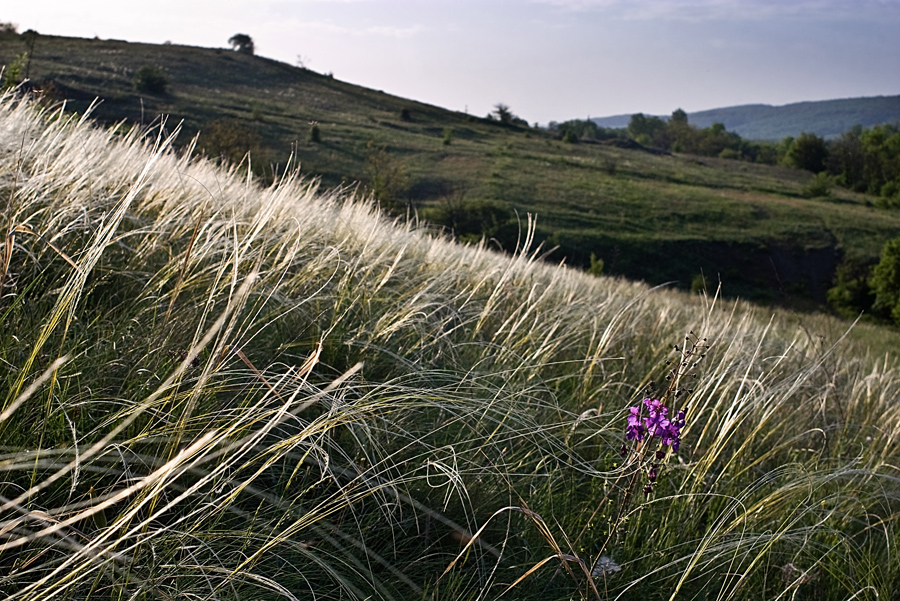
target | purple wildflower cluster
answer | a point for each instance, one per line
(655, 424)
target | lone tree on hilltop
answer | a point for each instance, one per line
(503, 113)
(242, 43)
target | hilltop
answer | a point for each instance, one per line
(676, 219)
(825, 118)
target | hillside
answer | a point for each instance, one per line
(825, 118)
(673, 219)
(220, 390)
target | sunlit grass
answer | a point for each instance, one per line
(221, 391)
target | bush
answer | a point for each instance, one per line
(470, 220)
(851, 294)
(597, 265)
(229, 140)
(698, 284)
(808, 152)
(12, 73)
(886, 281)
(151, 80)
(315, 136)
(818, 187)
(387, 176)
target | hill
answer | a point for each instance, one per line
(675, 219)
(216, 389)
(825, 118)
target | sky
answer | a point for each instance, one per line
(546, 59)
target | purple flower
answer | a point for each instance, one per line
(672, 433)
(655, 406)
(656, 424)
(634, 431)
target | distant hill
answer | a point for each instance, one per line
(826, 118)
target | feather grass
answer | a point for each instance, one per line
(216, 390)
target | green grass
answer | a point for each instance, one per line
(215, 389)
(748, 226)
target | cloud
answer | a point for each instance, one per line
(377, 30)
(738, 10)
(396, 32)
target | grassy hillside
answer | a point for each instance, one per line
(675, 219)
(825, 118)
(216, 390)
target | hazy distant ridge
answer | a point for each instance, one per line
(827, 118)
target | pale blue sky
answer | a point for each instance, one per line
(547, 59)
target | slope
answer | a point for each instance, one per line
(221, 390)
(657, 218)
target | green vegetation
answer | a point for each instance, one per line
(14, 72)
(765, 232)
(242, 42)
(220, 389)
(886, 281)
(151, 79)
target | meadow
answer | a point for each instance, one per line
(221, 388)
(660, 218)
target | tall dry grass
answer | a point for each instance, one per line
(216, 390)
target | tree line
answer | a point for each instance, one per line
(862, 159)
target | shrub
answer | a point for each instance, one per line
(886, 281)
(151, 80)
(698, 284)
(818, 186)
(229, 140)
(570, 137)
(808, 152)
(315, 136)
(448, 136)
(597, 265)
(405, 115)
(851, 293)
(470, 220)
(386, 175)
(12, 73)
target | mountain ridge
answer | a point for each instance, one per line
(757, 121)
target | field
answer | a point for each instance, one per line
(658, 218)
(217, 389)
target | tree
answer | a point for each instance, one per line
(847, 159)
(643, 129)
(242, 43)
(503, 113)
(886, 281)
(808, 152)
(679, 117)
